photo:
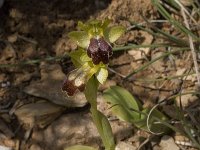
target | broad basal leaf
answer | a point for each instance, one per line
(124, 102)
(79, 147)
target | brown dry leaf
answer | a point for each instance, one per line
(187, 2)
(63, 45)
(7, 55)
(41, 113)
(182, 71)
(22, 77)
(186, 100)
(170, 111)
(159, 65)
(12, 38)
(49, 87)
(5, 129)
(140, 52)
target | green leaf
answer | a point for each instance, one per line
(174, 22)
(154, 124)
(104, 129)
(121, 113)
(123, 103)
(102, 75)
(80, 37)
(113, 33)
(79, 147)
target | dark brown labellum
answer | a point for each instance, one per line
(99, 50)
(77, 83)
(69, 87)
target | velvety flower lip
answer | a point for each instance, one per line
(99, 50)
(74, 82)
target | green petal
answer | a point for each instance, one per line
(102, 75)
(105, 23)
(92, 71)
(80, 37)
(96, 23)
(113, 33)
(83, 26)
(76, 57)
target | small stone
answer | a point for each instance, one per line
(29, 114)
(15, 13)
(49, 87)
(188, 99)
(35, 147)
(159, 64)
(167, 143)
(29, 51)
(70, 129)
(107, 85)
(5, 148)
(12, 38)
(125, 146)
(9, 143)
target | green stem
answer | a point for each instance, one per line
(31, 62)
(100, 120)
(134, 46)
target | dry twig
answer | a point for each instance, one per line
(194, 55)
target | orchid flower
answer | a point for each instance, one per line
(94, 40)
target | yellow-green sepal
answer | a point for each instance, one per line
(80, 37)
(113, 33)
